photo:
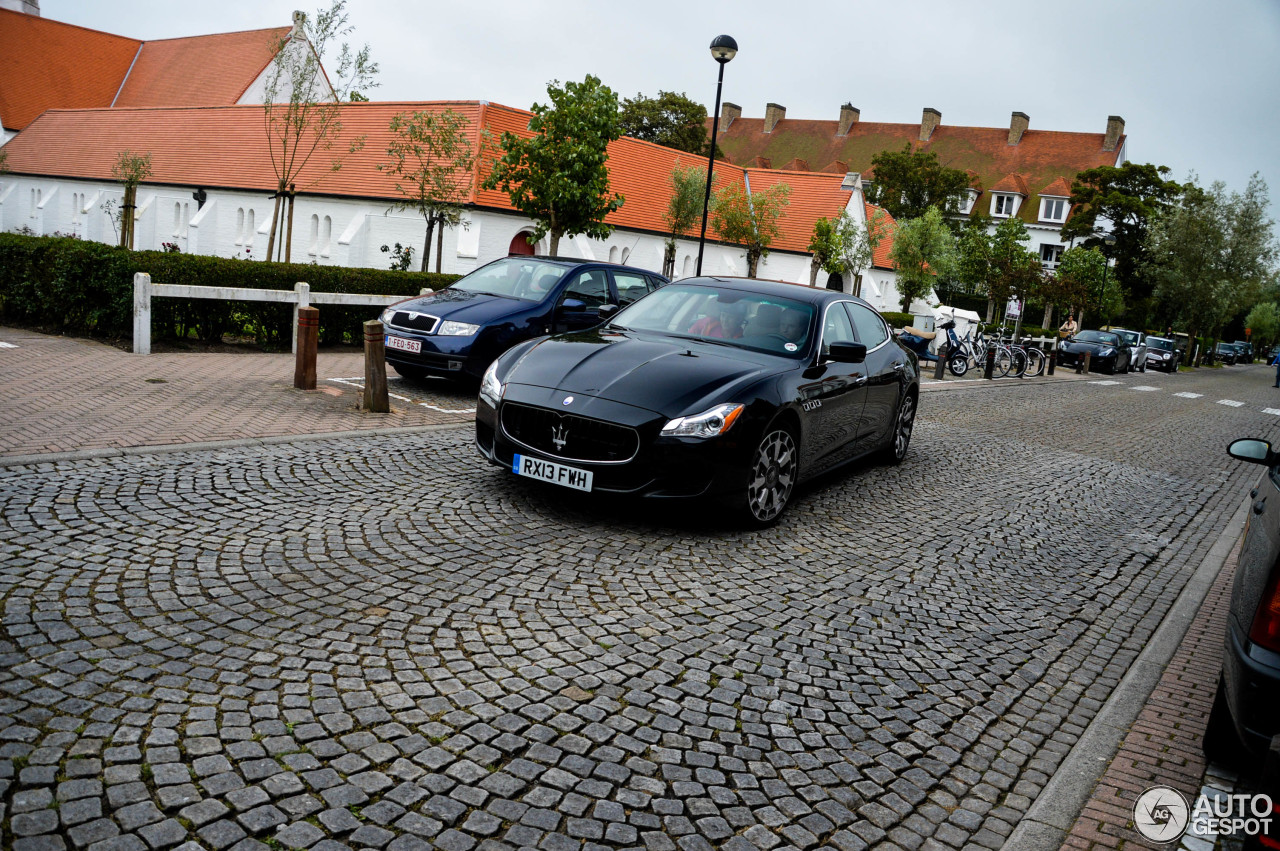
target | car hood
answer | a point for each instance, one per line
(1082, 346)
(669, 376)
(465, 306)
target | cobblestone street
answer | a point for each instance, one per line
(376, 641)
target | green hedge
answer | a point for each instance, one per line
(75, 286)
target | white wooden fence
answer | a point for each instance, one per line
(299, 296)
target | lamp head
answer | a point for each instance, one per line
(723, 48)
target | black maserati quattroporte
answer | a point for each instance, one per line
(722, 387)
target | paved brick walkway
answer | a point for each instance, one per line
(64, 394)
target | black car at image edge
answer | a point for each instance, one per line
(1246, 708)
(456, 332)
(733, 388)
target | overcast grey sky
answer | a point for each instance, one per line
(1198, 83)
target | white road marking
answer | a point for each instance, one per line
(1189, 395)
(7, 346)
(1231, 402)
(359, 384)
(1275, 411)
(1144, 387)
(1104, 383)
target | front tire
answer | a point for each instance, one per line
(774, 470)
(958, 364)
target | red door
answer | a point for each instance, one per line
(520, 246)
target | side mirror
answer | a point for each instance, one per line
(573, 305)
(847, 353)
(607, 311)
(1252, 450)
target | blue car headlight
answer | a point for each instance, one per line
(449, 328)
(1106, 353)
(710, 423)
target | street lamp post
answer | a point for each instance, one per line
(1110, 241)
(723, 49)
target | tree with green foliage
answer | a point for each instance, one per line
(670, 119)
(303, 109)
(845, 246)
(1212, 253)
(432, 160)
(1128, 197)
(1076, 283)
(684, 210)
(130, 169)
(973, 258)
(923, 250)
(750, 220)
(1015, 271)
(560, 177)
(1263, 323)
(908, 182)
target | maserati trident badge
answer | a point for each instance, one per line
(559, 436)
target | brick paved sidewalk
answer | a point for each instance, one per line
(1163, 745)
(64, 394)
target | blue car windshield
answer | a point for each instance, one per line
(745, 320)
(1100, 337)
(514, 277)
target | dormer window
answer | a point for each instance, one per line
(1053, 209)
(965, 204)
(1003, 206)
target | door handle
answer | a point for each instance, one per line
(898, 366)
(859, 380)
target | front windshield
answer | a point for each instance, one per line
(1098, 337)
(1130, 337)
(726, 316)
(514, 277)
(1160, 343)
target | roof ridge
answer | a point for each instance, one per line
(72, 26)
(217, 35)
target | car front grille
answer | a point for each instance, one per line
(408, 319)
(569, 436)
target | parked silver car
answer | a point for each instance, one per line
(1137, 341)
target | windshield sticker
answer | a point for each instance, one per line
(791, 347)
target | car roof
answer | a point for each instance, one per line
(781, 289)
(572, 262)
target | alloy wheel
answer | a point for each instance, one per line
(773, 476)
(903, 427)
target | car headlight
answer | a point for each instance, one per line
(456, 329)
(490, 387)
(710, 423)
(387, 315)
(1106, 353)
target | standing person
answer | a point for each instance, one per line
(1068, 328)
(1277, 363)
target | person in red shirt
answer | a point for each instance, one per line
(728, 325)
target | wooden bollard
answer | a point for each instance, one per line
(304, 369)
(1052, 356)
(375, 369)
(989, 369)
(1084, 364)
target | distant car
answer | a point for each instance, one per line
(1107, 352)
(1244, 351)
(1225, 354)
(1244, 715)
(1138, 344)
(457, 332)
(1163, 354)
(725, 388)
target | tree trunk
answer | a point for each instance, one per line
(439, 246)
(753, 261)
(555, 244)
(288, 234)
(857, 285)
(669, 259)
(426, 243)
(991, 308)
(275, 221)
(813, 272)
(1048, 315)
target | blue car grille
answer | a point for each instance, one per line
(409, 320)
(569, 436)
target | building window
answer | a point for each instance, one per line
(1053, 209)
(613, 254)
(1050, 254)
(965, 205)
(1004, 206)
(326, 235)
(688, 266)
(248, 231)
(315, 234)
(626, 253)
(177, 219)
(240, 226)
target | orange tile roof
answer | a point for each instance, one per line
(46, 64)
(206, 69)
(1012, 183)
(1039, 158)
(232, 154)
(880, 257)
(1060, 187)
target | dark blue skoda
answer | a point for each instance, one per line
(458, 331)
